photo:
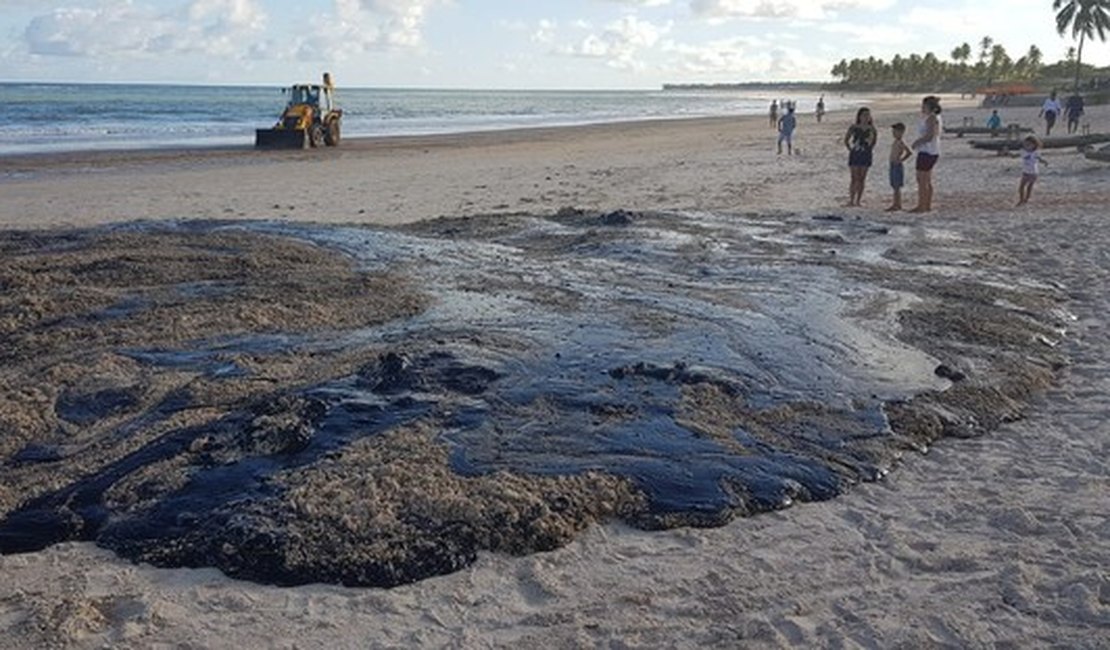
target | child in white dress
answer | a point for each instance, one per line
(1029, 168)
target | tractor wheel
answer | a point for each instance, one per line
(316, 135)
(331, 138)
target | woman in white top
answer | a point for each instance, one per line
(1050, 110)
(927, 146)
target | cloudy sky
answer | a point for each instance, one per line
(497, 43)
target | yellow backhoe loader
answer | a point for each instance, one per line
(310, 119)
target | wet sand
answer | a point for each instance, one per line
(984, 541)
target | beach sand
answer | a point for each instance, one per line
(992, 541)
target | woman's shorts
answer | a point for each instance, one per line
(926, 161)
(859, 158)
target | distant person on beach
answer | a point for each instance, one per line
(774, 112)
(899, 154)
(1050, 110)
(820, 108)
(994, 122)
(860, 141)
(927, 146)
(1074, 110)
(1029, 169)
(787, 123)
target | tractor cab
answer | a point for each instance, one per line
(314, 95)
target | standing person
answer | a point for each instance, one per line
(994, 122)
(860, 140)
(774, 113)
(1029, 169)
(1074, 110)
(899, 154)
(927, 146)
(1050, 110)
(787, 123)
(820, 108)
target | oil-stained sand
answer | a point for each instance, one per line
(370, 406)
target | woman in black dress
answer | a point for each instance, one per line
(860, 141)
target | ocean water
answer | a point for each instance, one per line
(46, 117)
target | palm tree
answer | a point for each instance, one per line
(961, 54)
(985, 46)
(1000, 62)
(1035, 57)
(1029, 65)
(985, 49)
(1086, 18)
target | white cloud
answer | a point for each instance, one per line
(545, 32)
(121, 29)
(779, 9)
(245, 14)
(717, 57)
(399, 22)
(642, 3)
(620, 42)
(868, 34)
(743, 59)
(971, 25)
(357, 27)
(360, 26)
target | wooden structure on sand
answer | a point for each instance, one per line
(1102, 155)
(1011, 131)
(1060, 142)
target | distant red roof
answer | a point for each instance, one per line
(1009, 89)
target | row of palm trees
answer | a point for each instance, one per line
(994, 65)
(1084, 19)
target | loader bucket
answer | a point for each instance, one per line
(281, 139)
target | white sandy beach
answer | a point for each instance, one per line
(992, 542)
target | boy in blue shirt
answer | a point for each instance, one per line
(994, 122)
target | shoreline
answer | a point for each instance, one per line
(508, 135)
(45, 159)
(362, 123)
(400, 179)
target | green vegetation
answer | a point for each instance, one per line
(989, 65)
(993, 66)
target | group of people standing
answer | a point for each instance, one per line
(862, 137)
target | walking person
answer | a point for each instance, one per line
(1050, 110)
(927, 146)
(1074, 110)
